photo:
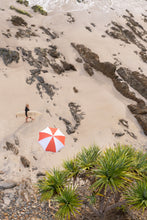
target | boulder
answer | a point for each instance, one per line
(142, 120)
(25, 161)
(88, 69)
(136, 80)
(18, 21)
(68, 66)
(9, 56)
(7, 185)
(57, 68)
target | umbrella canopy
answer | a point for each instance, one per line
(51, 139)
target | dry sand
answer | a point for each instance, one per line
(102, 104)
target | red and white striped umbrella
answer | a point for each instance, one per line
(51, 139)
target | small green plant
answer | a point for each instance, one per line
(20, 11)
(38, 8)
(25, 2)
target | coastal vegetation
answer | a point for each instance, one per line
(20, 11)
(100, 181)
(38, 8)
(24, 2)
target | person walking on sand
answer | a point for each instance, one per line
(27, 108)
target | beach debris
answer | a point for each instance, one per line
(51, 139)
(124, 122)
(40, 174)
(11, 147)
(88, 28)
(131, 134)
(119, 134)
(71, 19)
(9, 56)
(75, 89)
(25, 161)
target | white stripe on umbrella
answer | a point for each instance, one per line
(47, 130)
(44, 142)
(58, 144)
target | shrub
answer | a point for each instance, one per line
(37, 8)
(20, 11)
(25, 2)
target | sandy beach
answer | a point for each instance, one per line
(101, 105)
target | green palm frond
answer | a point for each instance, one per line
(88, 158)
(68, 202)
(140, 163)
(71, 168)
(51, 185)
(113, 170)
(136, 195)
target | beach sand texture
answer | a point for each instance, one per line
(101, 106)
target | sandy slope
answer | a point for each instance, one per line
(102, 104)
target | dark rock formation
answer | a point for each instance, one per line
(77, 116)
(69, 127)
(53, 53)
(48, 32)
(79, 60)
(76, 113)
(136, 80)
(9, 56)
(25, 161)
(11, 147)
(25, 33)
(142, 119)
(18, 21)
(68, 66)
(93, 60)
(136, 31)
(88, 69)
(57, 68)
(140, 112)
(108, 69)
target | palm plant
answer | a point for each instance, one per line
(113, 171)
(136, 195)
(71, 168)
(51, 185)
(68, 202)
(88, 158)
(140, 163)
